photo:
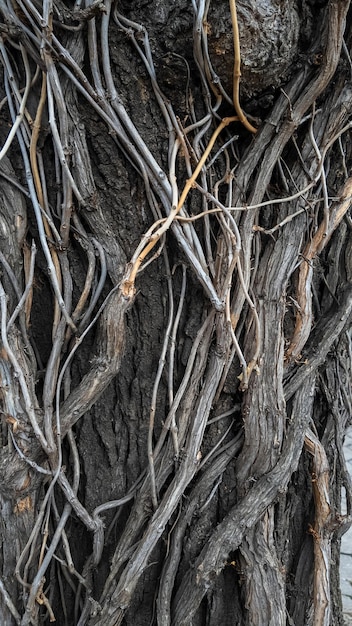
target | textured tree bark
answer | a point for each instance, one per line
(176, 305)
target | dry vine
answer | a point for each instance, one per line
(228, 206)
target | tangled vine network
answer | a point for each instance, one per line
(251, 219)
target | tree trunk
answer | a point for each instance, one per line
(176, 306)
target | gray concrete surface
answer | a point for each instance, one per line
(346, 549)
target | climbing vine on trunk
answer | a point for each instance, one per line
(176, 305)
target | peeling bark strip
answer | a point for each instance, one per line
(175, 307)
(322, 531)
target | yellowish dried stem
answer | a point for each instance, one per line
(128, 284)
(237, 70)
